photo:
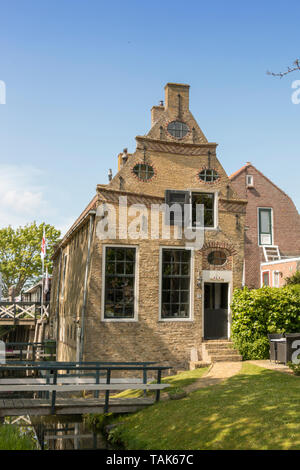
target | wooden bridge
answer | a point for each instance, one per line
(23, 313)
(45, 380)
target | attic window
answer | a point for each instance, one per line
(143, 171)
(208, 175)
(249, 181)
(178, 129)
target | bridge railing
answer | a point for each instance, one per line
(27, 353)
(16, 311)
(51, 378)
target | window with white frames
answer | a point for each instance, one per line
(276, 278)
(175, 283)
(265, 278)
(249, 181)
(265, 226)
(119, 285)
(192, 199)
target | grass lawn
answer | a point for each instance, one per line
(12, 439)
(255, 409)
(179, 381)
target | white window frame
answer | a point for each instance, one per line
(262, 277)
(192, 276)
(249, 182)
(136, 284)
(275, 271)
(216, 213)
(272, 223)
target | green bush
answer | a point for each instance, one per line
(257, 312)
(294, 279)
(294, 367)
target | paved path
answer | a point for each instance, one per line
(272, 366)
(218, 372)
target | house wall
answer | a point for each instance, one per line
(286, 269)
(286, 221)
(71, 301)
(150, 338)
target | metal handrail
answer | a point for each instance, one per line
(54, 369)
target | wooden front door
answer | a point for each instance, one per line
(215, 310)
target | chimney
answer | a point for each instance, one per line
(156, 112)
(177, 98)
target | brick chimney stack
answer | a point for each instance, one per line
(177, 97)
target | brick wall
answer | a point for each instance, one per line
(286, 220)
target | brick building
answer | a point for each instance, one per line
(152, 297)
(272, 225)
(274, 273)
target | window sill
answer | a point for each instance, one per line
(119, 320)
(175, 319)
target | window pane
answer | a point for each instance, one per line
(265, 221)
(119, 282)
(175, 283)
(207, 199)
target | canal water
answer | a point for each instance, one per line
(62, 433)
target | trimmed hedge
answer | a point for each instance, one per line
(257, 312)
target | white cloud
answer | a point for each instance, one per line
(24, 193)
(21, 195)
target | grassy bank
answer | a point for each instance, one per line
(255, 409)
(12, 439)
(178, 381)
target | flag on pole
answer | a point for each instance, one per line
(43, 247)
(46, 288)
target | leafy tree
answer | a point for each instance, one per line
(293, 280)
(20, 249)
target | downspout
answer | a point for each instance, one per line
(87, 266)
(57, 300)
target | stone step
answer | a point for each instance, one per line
(226, 358)
(222, 351)
(211, 346)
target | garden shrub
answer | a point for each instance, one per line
(257, 312)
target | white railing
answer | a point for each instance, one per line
(24, 311)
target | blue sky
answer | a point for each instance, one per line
(82, 75)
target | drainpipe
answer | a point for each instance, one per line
(87, 266)
(57, 301)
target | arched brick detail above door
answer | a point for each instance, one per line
(227, 248)
(219, 245)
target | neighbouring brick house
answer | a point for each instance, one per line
(152, 298)
(272, 229)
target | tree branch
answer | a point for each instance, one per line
(296, 66)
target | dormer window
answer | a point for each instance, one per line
(178, 129)
(249, 181)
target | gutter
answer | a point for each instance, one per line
(92, 215)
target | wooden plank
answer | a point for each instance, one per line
(66, 380)
(81, 406)
(81, 387)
